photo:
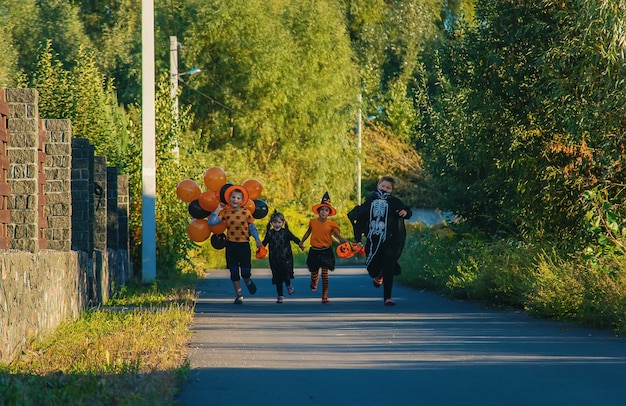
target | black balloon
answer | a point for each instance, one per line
(197, 211)
(223, 191)
(260, 209)
(218, 241)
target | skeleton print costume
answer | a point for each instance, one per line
(378, 219)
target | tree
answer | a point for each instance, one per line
(277, 93)
(83, 96)
(8, 64)
(114, 27)
(516, 131)
(388, 39)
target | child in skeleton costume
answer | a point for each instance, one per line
(381, 219)
(321, 255)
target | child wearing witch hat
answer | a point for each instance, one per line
(321, 256)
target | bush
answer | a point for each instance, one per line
(464, 266)
(501, 272)
(574, 289)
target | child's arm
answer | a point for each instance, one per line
(305, 236)
(255, 234)
(339, 237)
(214, 219)
(295, 239)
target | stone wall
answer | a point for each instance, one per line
(63, 223)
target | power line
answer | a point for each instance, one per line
(210, 98)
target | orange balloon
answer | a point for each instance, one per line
(214, 178)
(253, 187)
(209, 200)
(188, 190)
(198, 230)
(250, 206)
(218, 228)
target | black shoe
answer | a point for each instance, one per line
(377, 282)
(251, 287)
(239, 300)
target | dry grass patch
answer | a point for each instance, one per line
(128, 354)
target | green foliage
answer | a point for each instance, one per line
(388, 38)
(20, 19)
(114, 27)
(8, 64)
(605, 231)
(460, 262)
(519, 121)
(278, 83)
(453, 261)
(83, 96)
(575, 289)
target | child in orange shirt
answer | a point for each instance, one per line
(239, 228)
(321, 255)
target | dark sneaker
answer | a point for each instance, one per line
(239, 300)
(390, 302)
(325, 300)
(251, 287)
(280, 299)
(290, 290)
(377, 281)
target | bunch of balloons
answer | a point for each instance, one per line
(201, 204)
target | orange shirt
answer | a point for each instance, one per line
(237, 221)
(322, 232)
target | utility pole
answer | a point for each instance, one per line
(148, 152)
(359, 130)
(174, 90)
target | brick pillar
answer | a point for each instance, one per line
(113, 236)
(100, 202)
(58, 185)
(123, 200)
(23, 146)
(5, 189)
(42, 220)
(82, 198)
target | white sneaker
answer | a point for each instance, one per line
(279, 299)
(290, 289)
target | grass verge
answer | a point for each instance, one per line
(131, 352)
(506, 273)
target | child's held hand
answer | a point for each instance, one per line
(219, 208)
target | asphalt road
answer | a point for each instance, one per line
(427, 350)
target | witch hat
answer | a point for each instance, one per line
(325, 203)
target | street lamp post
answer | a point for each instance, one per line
(359, 130)
(174, 78)
(148, 152)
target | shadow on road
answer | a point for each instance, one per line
(426, 350)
